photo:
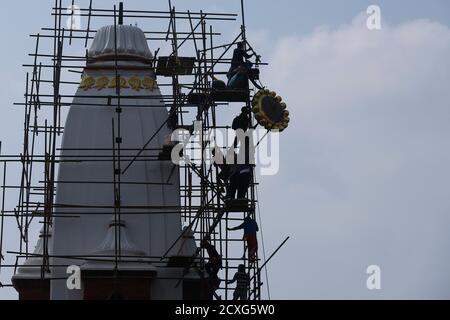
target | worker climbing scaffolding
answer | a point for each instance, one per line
(250, 227)
(214, 265)
(242, 280)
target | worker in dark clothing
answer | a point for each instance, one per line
(240, 181)
(221, 163)
(242, 121)
(242, 280)
(215, 260)
(250, 227)
(241, 65)
(239, 59)
(214, 264)
(241, 174)
(172, 122)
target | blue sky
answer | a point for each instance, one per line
(279, 19)
(284, 18)
(363, 176)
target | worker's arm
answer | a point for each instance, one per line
(232, 281)
(209, 250)
(237, 228)
(248, 56)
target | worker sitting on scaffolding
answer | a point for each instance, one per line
(214, 264)
(241, 69)
(250, 227)
(243, 284)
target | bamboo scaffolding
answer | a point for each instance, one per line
(202, 206)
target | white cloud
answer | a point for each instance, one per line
(365, 162)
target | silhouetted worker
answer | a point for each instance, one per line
(172, 122)
(221, 163)
(242, 68)
(214, 264)
(242, 121)
(251, 228)
(243, 284)
(239, 59)
(240, 180)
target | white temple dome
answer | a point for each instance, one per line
(31, 269)
(131, 41)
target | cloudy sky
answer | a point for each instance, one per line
(364, 166)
